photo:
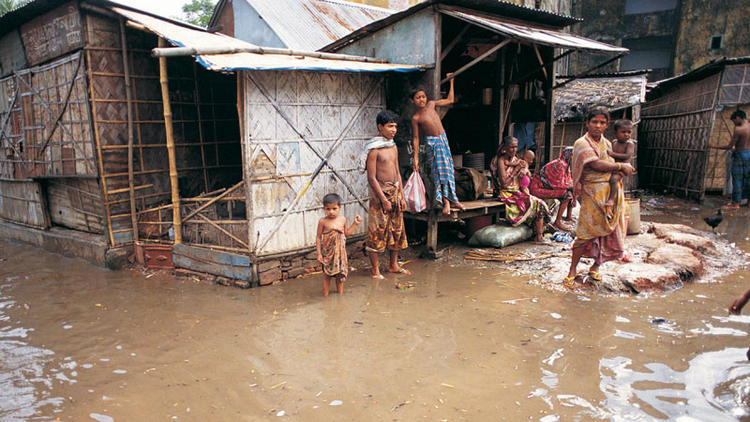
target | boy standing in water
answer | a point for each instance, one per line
(428, 121)
(331, 243)
(622, 151)
(385, 227)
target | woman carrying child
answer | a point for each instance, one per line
(520, 207)
(599, 234)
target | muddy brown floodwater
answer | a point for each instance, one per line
(80, 343)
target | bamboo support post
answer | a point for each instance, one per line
(197, 100)
(98, 143)
(176, 218)
(129, 97)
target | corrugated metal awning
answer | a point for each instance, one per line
(183, 36)
(535, 35)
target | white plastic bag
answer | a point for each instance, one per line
(414, 193)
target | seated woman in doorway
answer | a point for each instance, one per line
(507, 171)
(599, 234)
(555, 182)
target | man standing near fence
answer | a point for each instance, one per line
(740, 147)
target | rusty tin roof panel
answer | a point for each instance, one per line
(533, 34)
(313, 24)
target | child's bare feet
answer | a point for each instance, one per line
(458, 205)
(326, 285)
(446, 208)
(339, 285)
(399, 270)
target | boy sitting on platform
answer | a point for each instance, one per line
(331, 243)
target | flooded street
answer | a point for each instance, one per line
(82, 343)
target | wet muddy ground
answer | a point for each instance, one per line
(467, 343)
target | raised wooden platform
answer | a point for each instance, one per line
(476, 208)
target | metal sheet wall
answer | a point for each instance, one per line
(285, 195)
(397, 43)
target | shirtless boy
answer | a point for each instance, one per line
(622, 151)
(428, 121)
(385, 228)
(331, 243)
(740, 145)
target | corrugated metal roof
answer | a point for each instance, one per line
(700, 72)
(186, 37)
(312, 24)
(495, 7)
(536, 35)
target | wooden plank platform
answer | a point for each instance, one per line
(476, 208)
(214, 262)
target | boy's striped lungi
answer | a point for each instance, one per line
(441, 165)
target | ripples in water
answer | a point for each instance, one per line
(27, 372)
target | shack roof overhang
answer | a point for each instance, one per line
(530, 33)
(517, 22)
(201, 40)
(698, 73)
(183, 34)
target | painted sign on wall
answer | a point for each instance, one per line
(52, 34)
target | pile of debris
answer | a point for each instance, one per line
(662, 258)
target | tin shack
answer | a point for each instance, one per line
(224, 156)
(502, 57)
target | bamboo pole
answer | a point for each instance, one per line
(197, 102)
(176, 220)
(129, 97)
(98, 144)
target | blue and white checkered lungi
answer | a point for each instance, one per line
(441, 163)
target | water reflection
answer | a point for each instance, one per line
(27, 373)
(714, 385)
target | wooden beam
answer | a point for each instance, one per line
(465, 67)
(173, 180)
(213, 200)
(541, 62)
(454, 42)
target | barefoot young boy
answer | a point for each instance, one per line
(622, 151)
(385, 227)
(331, 243)
(428, 121)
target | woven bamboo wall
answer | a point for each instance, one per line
(674, 134)
(734, 94)
(206, 127)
